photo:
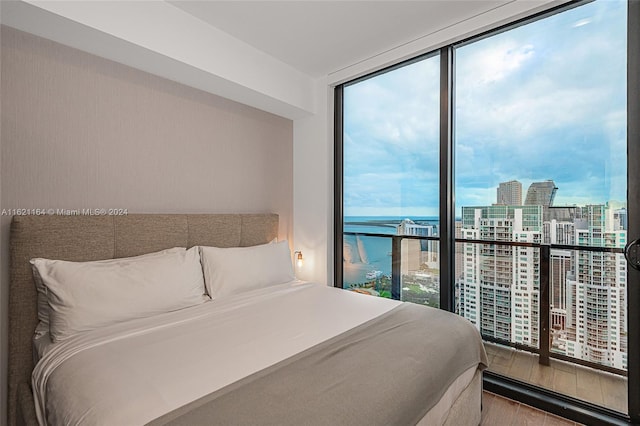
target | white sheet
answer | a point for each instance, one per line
(207, 347)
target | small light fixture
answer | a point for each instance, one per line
(299, 260)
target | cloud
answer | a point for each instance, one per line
(541, 101)
(581, 23)
(497, 62)
(391, 140)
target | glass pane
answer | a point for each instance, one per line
(367, 264)
(420, 272)
(391, 169)
(588, 306)
(540, 128)
(498, 290)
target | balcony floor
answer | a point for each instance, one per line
(595, 386)
(499, 411)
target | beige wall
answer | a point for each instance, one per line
(80, 131)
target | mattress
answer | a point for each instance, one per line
(137, 371)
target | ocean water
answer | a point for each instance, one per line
(364, 254)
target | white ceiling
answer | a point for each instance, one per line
(321, 37)
(278, 56)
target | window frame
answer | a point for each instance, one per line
(548, 400)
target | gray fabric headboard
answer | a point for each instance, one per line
(83, 238)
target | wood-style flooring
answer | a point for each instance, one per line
(499, 411)
(595, 386)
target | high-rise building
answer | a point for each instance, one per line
(509, 193)
(541, 194)
(555, 232)
(620, 215)
(417, 252)
(459, 274)
(596, 328)
(500, 287)
(562, 213)
(409, 227)
(560, 264)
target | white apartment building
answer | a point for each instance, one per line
(500, 286)
(596, 329)
(499, 290)
(417, 252)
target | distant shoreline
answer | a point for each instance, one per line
(381, 223)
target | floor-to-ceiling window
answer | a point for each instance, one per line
(538, 156)
(391, 186)
(540, 142)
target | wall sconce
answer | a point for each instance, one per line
(299, 259)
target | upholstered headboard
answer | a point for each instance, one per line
(83, 238)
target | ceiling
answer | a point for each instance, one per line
(321, 37)
(278, 56)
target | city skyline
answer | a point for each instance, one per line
(533, 194)
(531, 105)
(499, 286)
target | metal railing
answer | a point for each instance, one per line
(544, 351)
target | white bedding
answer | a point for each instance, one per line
(119, 374)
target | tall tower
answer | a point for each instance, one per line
(501, 284)
(416, 252)
(597, 330)
(541, 194)
(509, 193)
(560, 263)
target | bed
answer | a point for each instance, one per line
(289, 352)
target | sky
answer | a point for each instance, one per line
(546, 100)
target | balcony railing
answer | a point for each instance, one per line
(543, 274)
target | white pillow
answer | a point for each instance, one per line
(233, 270)
(84, 296)
(43, 303)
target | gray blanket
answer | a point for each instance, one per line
(388, 371)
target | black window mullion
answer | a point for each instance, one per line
(633, 205)
(338, 219)
(547, 399)
(396, 261)
(447, 208)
